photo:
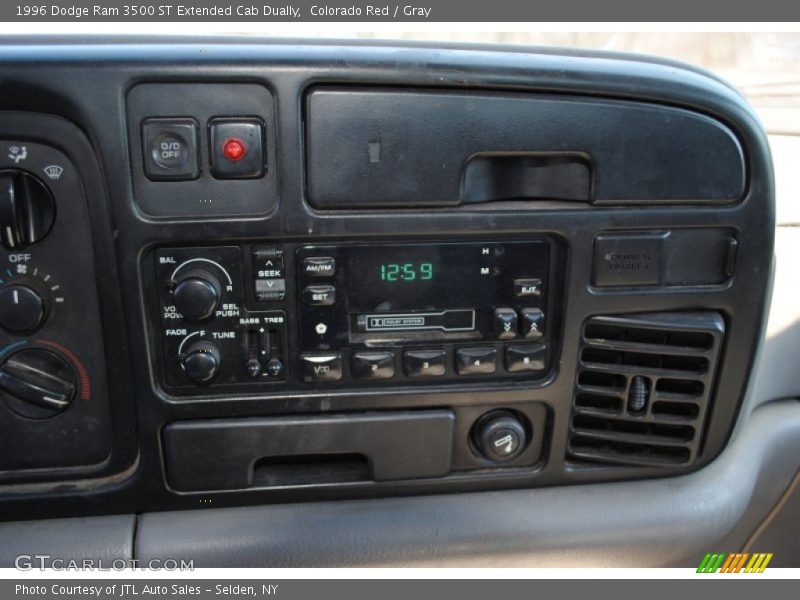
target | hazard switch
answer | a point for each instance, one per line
(237, 148)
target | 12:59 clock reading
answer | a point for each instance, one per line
(406, 271)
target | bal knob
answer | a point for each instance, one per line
(197, 296)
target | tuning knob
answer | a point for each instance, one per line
(37, 383)
(27, 209)
(22, 308)
(201, 362)
(196, 296)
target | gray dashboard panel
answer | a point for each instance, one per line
(643, 524)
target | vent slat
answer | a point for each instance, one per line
(645, 348)
(671, 358)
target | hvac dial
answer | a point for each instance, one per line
(26, 298)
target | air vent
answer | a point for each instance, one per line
(643, 388)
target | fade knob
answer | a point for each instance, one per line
(201, 362)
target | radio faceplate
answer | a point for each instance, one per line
(274, 316)
(424, 311)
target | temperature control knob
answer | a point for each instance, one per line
(201, 362)
(27, 209)
(22, 308)
(37, 383)
(197, 296)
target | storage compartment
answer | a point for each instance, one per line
(385, 148)
(235, 454)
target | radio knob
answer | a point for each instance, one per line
(22, 308)
(27, 209)
(201, 362)
(196, 296)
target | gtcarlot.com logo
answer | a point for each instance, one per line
(41, 562)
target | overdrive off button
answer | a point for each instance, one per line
(170, 149)
(321, 367)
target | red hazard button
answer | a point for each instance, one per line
(233, 149)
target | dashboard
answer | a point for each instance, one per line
(252, 273)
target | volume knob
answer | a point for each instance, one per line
(201, 362)
(197, 296)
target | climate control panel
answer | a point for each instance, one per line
(300, 315)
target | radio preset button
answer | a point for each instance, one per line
(478, 360)
(505, 323)
(319, 295)
(321, 367)
(526, 288)
(525, 357)
(532, 324)
(319, 266)
(372, 365)
(424, 363)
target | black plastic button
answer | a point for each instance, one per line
(268, 263)
(270, 290)
(372, 365)
(237, 148)
(319, 266)
(170, 149)
(424, 363)
(319, 295)
(526, 288)
(505, 323)
(321, 367)
(476, 361)
(525, 357)
(532, 323)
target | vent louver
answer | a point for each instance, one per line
(643, 388)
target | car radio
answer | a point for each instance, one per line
(355, 314)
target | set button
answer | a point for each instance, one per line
(319, 295)
(372, 365)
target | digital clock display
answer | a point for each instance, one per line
(406, 271)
